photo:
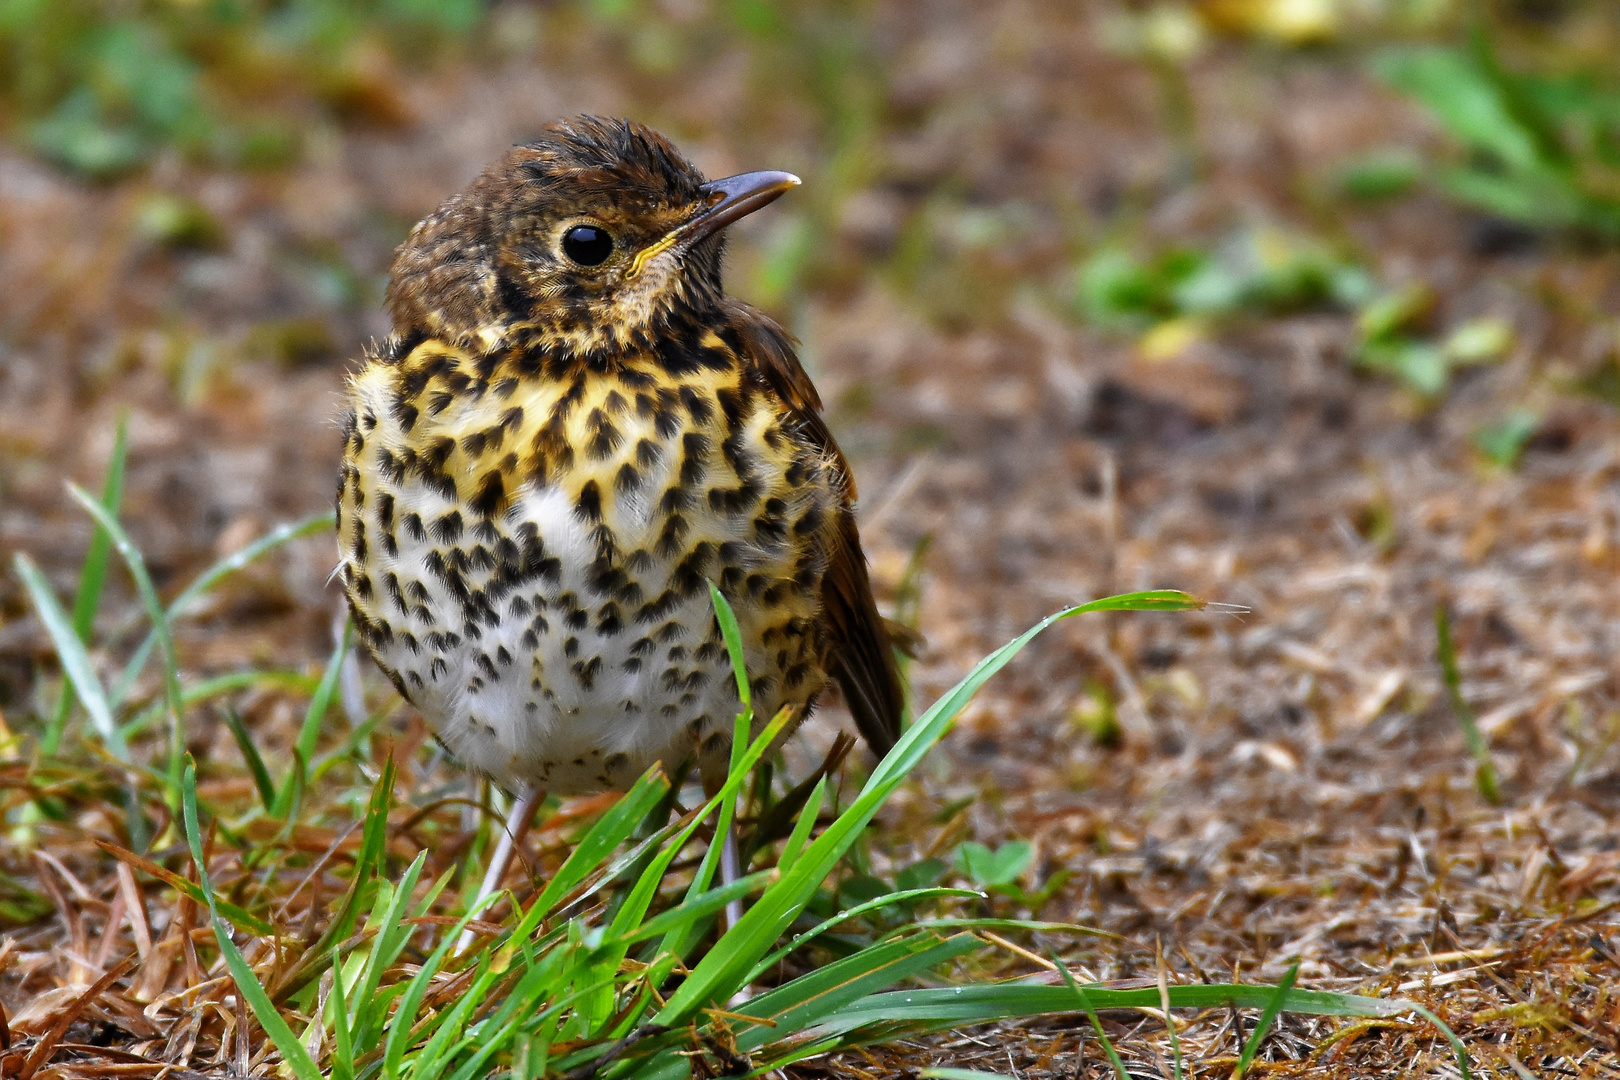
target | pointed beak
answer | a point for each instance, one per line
(734, 197)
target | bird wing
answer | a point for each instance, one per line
(862, 657)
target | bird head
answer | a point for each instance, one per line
(588, 238)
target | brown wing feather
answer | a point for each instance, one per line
(862, 658)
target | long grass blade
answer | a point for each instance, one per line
(293, 1053)
(309, 733)
(207, 689)
(210, 577)
(70, 651)
(1096, 1021)
(902, 897)
(1268, 1017)
(135, 562)
(1485, 779)
(813, 998)
(250, 753)
(237, 915)
(93, 576)
(719, 973)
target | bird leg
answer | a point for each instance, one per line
(714, 779)
(730, 871)
(516, 828)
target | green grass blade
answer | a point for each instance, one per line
(610, 830)
(676, 940)
(385, 948)
(801, 828)
(1096, 1022)
(646, 887)
(293, 1053)
(1033, 926)
(1267, 1018)
(818, 996)
(719, 973)
(309, 733)
(945, 1072)
(250, 753)
(858, 910)
(732, 634)
(1457, 1047)
(75, 660)
(135, 562)
(402, 1032)
(954, 1006)
(210, 577)
(1164, 1006)
(342, 1065)
(93, 576)
(207, 689)
(236, 915)
(1485, 779)
(694, 908)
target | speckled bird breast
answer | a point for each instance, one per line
(527, 552)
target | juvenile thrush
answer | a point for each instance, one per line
(571, 431)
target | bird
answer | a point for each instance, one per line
(570, 433)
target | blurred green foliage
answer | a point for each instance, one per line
(1540, 148)
(1396, 339)
(1256, 271)
(1503, 442)
(101, 86)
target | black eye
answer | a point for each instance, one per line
(587, 245)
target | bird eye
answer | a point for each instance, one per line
(587, 245)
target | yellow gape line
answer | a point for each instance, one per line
(649, 253)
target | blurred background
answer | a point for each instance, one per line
(1308, 306)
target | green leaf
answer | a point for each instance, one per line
(610, 830)
(94, 574)
(901, 897)
(986, 868)
(720, 972)
(732, 634)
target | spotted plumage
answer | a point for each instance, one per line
(555, 453)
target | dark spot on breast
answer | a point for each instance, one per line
(490, 498)
(586, 671)
(627, 480)
(605, 437)
(698, 407)
(671, 536)
(589, 503)
(447, 529)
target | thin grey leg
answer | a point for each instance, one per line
(729, 872)
(500, 860)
